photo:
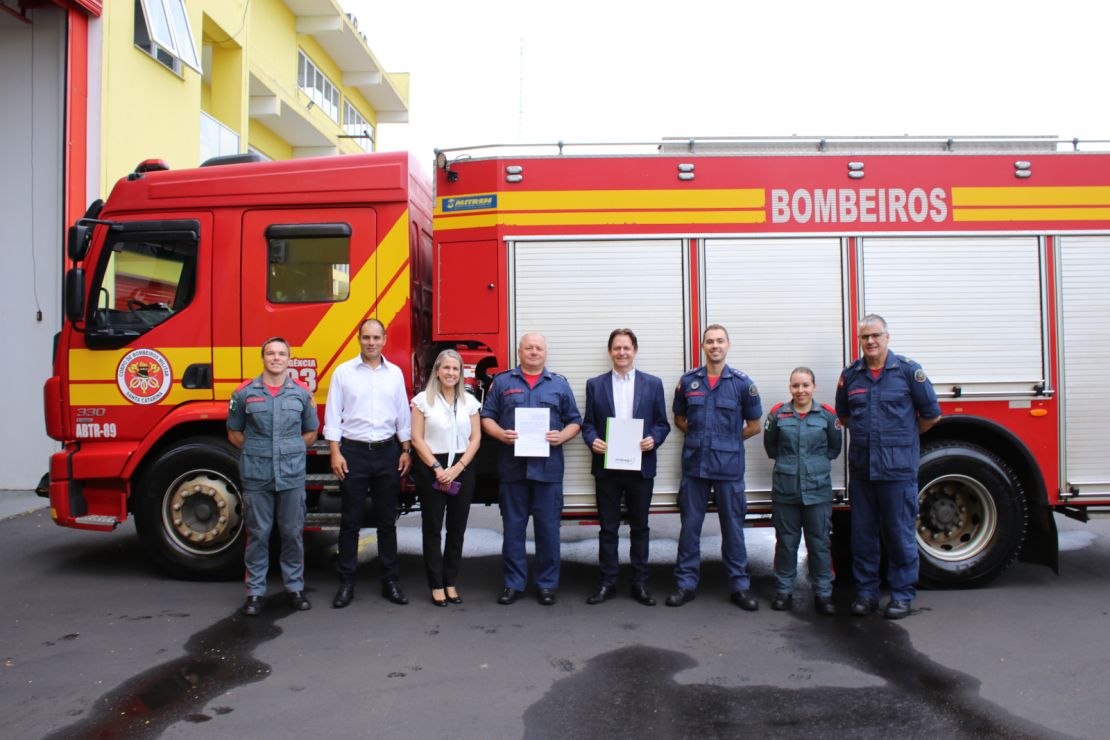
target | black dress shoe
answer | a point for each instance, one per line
(456, 599)
(641, 594)
(824, 605)
(253, 606)
(546, 596)
(782, 602)
(508, 596)
(680, 597)
(896, 609)
(343, 596)
(863, 606)
(438, 602)
(603, 593)
(298, 601)
(393, 592)
(744, 600)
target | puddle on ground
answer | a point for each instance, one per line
(632, 692)
(216, 659)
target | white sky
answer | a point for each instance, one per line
(638, 71)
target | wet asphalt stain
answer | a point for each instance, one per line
(217, 658)
(632, 692)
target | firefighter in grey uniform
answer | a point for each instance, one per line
(273, 419)
(803, 438)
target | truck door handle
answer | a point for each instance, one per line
(197, 377)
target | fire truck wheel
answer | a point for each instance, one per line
(188, 510)
(972, 515)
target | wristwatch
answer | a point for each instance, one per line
(406, 450)
(436, 465)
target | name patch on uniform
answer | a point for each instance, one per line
(857, 391)
(256, 399)
(511, 391)
(694, 393)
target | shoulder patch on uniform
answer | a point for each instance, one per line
(752, 390)
(770, 420)
(919, 375)
(840, 383)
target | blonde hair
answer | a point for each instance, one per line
(432, 390)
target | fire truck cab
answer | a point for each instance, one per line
(177, 280)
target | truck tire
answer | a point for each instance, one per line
(972, 515)
(189, 512)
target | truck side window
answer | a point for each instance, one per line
(145, 279)
(308, 263)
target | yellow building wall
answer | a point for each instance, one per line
(150, 112)
(267, 142)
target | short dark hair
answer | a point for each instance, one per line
(367, 320)
(271, 340)
(623, 332)
(711, 327)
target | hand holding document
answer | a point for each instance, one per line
(532, 426)
(623, 436)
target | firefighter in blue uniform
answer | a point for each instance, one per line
(272, 418)
(530, 486)
(887, 402)
(718, 408)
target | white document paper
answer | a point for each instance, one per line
(532, 426)
(622, 439)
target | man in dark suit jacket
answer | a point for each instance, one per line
(624, 393)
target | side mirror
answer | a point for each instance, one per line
(75, 293)
(77, 241)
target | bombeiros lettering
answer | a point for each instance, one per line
(863, 205)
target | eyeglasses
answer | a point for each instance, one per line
(868, 337)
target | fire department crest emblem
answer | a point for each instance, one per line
(144, 376)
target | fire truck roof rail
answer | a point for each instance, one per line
(784, 145)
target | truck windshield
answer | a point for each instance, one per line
(145, 279)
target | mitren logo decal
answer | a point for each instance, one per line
(470, 203)
(862, 206)
(144, 376)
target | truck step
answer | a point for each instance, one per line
(97, 520)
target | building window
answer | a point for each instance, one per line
(308, 263)
(357, 128)
(162, 30)
(216, 139)
(316, 85)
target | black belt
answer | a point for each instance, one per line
(368, 445)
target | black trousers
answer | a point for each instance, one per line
(636, 492)
(441, 562)
(372, 471)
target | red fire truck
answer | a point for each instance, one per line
(986, 256)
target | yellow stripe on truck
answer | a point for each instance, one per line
(1031, 196)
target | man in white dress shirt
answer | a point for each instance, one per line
(368, 426)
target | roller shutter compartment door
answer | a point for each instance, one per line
(967, 308)
(1085, 343)
(575, 293)
(781, 301)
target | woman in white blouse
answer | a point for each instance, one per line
(445, 436)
